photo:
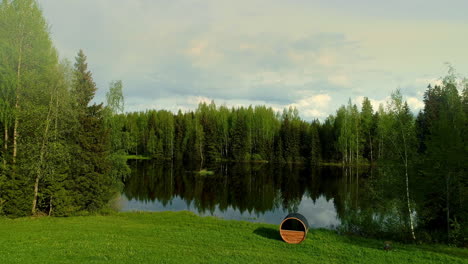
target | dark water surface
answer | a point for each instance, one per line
(243, 191)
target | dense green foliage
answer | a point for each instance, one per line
(185, 238)
(56, 153)
(214, 133)
(442, 129)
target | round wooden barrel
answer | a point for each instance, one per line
(294, 228)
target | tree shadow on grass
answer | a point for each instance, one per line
(269, 233)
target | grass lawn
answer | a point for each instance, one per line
(182, 237)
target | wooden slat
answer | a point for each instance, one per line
(292, 237)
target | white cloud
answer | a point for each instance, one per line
(312, 107)
(320, 101)
(414, 103)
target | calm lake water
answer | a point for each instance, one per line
(243, 191)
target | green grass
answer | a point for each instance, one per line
(137, 157)
(183, 237)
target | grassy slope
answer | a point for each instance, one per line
(182, 237)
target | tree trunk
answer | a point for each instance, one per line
(370, 142)
(18, 86)
(357, 186)
(41, 158)
(15, 137)
(447, 204)
(357, 146)
(5, 145)
(201, 156)
(36, 191)
(408, 201)
(56, 115)
(379, 150)
(346, 152)
(407, 186)
(50, 205)
(15, 132)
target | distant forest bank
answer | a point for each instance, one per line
(62, 155)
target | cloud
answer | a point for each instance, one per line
(340, 80)
(374, 102)
(415, 104)
(313, 107)
(320, 100)
(170, 54)
(427, 81)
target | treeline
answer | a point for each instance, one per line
(57, 156)
(219, 133)
(214, 133)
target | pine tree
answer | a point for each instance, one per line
(445, 155)
(367, 125)
(91, 170)
(315, 150)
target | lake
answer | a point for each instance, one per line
(244, 191)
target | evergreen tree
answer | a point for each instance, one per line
(92, 180)
(446, 157)
(315, 149)
(328, 139)
(179, 133)
(239, 135)
(367, 126)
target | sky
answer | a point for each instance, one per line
(310, 54)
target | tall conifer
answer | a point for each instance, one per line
(92, 183)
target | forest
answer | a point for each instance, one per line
(57, 156)
(63, 154)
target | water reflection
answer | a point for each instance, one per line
(252, 192)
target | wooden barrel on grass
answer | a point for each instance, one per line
(294, 228)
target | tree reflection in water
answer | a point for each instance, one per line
(358, 200)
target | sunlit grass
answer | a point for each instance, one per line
(183, 237)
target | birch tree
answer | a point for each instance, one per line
(403, 141)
